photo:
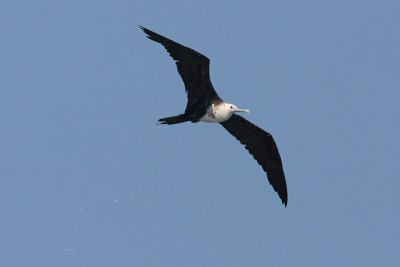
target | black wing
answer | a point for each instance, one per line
(262, 146)
(193, 68)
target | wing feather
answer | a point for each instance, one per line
(193, 67)
(262, 146)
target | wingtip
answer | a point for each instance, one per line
(149, 34)
(147, 31)
(284, 201)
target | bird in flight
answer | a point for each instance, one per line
(205, 105)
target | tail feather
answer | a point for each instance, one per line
(173, 119)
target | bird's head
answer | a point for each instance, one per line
(232, 109)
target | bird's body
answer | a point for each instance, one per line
(220, 112)
(205, 105)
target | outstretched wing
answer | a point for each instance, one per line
(262, 146)
(193, 68)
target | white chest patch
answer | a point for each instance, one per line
(217, 113)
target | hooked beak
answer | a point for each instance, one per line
(241, 110)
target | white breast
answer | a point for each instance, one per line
(217, 113)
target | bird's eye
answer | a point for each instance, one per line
(231, 106)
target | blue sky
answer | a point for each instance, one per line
(89, 179)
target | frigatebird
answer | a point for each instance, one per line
(205, 105)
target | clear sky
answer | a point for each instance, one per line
(89, 179)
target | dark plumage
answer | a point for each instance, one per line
(194, 70)
(262, 146)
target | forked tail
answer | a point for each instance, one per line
(173, 119)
